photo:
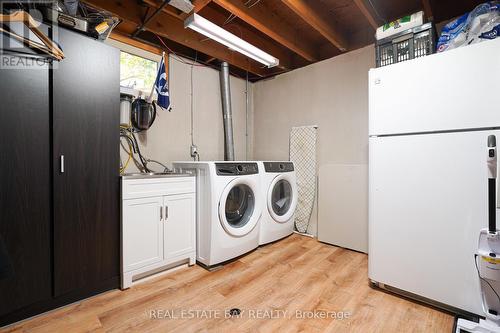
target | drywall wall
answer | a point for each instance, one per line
(170, 137)
(332, 94)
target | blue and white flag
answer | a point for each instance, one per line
(161, 87)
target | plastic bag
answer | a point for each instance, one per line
(480, 24)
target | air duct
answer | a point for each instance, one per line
(227, 113)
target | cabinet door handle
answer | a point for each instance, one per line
(62, 163)
(161, 213)
(166, 213)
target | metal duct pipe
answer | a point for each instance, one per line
(227, 114)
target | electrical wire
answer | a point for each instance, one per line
(128, 133)
(246, 118)
(197, 63)
(196, 154)
(192, 103)
(483, 279)
(176, 56)
(231, 16)
(129, 153)
(229, 19)
(256, 2)
(165, 168)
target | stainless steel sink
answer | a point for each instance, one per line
(142, 175)
(134, 174)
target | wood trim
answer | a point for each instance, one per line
(135, 43)
(302, 9)
(262, 20)
(171, 28)
(367, 14)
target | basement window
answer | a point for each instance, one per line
(137, 72)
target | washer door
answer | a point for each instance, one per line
(238, 207)
(282, 198)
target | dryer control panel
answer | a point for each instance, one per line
(278, 166)
(236, 169)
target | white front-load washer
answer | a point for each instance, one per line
(229, 206)
(279, 190)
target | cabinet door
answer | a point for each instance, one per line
(24, 188)
(86, 122)
(142, 232)
(179, 225)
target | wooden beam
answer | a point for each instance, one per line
(120, 37)
(368, 15)
(428, 9)
(200, 4)
(302, 9)
(261, 19)
(253, 37)
(244, 33)
(171, 28)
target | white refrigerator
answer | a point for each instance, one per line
(429, 121)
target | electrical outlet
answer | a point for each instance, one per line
(194, 150)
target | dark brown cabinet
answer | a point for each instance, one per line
(86, 118)
(59, 190)
(25, 187)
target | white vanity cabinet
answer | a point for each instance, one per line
(158, 224)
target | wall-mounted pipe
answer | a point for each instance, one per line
(227, 113)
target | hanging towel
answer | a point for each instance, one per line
(303, 141)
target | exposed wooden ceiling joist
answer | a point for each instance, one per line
(427, 9)
(244, 33)
(200, 4)
(262, 20)
(118, 36)
(172, 28)
(301, 8)
(366, 12)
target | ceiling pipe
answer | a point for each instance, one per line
(227, 113)
(142, 27)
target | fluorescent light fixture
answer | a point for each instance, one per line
(213, 31)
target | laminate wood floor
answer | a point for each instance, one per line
(275, 286)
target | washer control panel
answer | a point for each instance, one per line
(278, 166)
(236, 169)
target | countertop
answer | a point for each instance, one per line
(154, 175)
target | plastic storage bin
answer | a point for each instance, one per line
(409, 44)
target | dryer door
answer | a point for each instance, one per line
(282, 197)
(238, 207)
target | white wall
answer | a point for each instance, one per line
(334, 95)
(169, 138)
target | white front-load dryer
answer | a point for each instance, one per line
(279, 190)
(229, 206)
